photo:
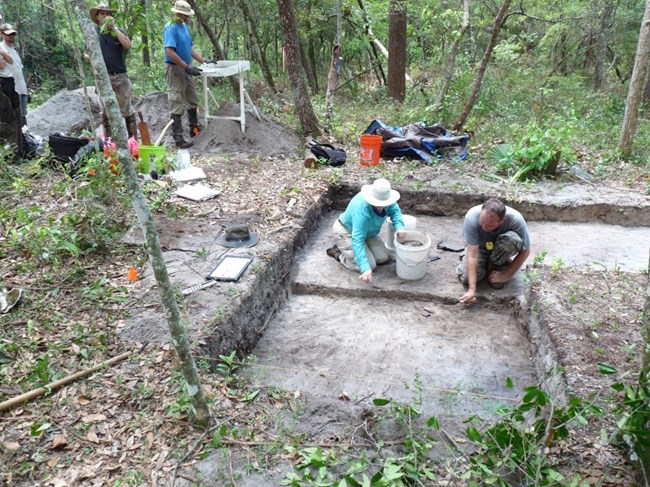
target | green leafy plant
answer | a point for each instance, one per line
(633, 408)
(537, 152)
(513, 451)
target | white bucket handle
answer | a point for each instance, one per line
(410, 265)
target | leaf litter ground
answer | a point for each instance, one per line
(128, 423)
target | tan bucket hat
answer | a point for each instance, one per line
(102, 7)
(182, 7)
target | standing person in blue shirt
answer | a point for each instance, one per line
(179, 70)
(357, 244)
(496, 246)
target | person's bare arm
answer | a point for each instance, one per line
(471, 255)
(197, 56)
(6, 57)
(121, 37)
(176, 59)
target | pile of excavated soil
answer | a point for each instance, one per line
(65, 112)
(222, 136)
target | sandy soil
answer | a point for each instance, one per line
(126, 423)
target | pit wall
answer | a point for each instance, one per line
(242, 327)
(564, 205)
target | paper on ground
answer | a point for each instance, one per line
(196, 192)
(188, 174)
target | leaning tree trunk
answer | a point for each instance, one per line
(636, 86)
(167, 295)
(214, 40)
(397, 50)
(373, 45)
(451, 62)
(333, 74)
(255, 43)
(304, 109)
(332, 79)
(478, 80)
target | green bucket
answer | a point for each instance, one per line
(151, 157)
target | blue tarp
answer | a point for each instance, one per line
(418, 141)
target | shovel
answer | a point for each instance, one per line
(144, 130)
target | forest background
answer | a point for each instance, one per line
(542, 80)
(559, 70)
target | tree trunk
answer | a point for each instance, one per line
(374, 56)
(332, 79)
(167, 295)
(478, 80)
(339, 22)
(146, 56)
(51, 32)
(601, 45)
(307, 68)
(397, 50)
(214, 40)
(637, 81)
(255, 43)
(304, 109)
(646, 89)
(451, 62)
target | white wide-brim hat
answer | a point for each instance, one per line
(182, 7)
(379, 193)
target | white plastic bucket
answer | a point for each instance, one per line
(411, 258)
(410, 223)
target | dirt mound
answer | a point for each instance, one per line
(65, 112)
(222, 136)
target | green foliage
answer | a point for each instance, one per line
(513, 451)
(633, 410)
(535, 154)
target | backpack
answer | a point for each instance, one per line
(328, 154)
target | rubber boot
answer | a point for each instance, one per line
(131, 126)
(193, 118)
(107, 127)
(177, 133)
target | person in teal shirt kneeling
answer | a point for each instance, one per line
(357, 244)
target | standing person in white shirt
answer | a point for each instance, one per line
(8, 33)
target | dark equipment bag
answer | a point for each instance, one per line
(328, 154)
(64, 148)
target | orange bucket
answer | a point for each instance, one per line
(370, 149)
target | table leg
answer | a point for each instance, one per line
(242, 103)
(206, 107)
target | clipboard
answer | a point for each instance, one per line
(230, 268)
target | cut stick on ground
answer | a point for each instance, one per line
(311, 162)
(28, 396)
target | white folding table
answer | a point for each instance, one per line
(221, 69)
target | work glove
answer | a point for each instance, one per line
(210, 61)
(192, 71)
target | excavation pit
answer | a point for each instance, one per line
(324, 338)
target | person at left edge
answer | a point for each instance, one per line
(9, 34)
